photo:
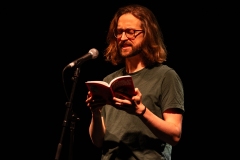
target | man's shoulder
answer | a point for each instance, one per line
(160, 68)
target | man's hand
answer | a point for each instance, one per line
(132, 106)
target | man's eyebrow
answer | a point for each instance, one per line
(125, 28)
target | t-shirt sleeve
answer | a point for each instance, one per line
(172, 91)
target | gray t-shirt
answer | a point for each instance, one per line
(127, 137)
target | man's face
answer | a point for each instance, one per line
(130, 35)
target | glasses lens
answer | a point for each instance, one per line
(118, 33)
(130, 33)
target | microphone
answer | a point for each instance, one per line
(92, 54)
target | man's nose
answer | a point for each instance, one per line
(124, 37)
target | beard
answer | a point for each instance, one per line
(135, 50)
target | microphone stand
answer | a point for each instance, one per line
(69, 115)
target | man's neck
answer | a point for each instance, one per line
(134, 64)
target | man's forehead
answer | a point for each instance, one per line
(128, 21)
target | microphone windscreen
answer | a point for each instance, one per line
(94, 53)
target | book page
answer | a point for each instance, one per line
(120, 77)
(100, 82)
(123, 87)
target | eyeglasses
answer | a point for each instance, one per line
(130, 33)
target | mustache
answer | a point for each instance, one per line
(125, 44)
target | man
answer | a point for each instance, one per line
(148, 125)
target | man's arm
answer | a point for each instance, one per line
(97, 129)
(97, 126)
(169, 128)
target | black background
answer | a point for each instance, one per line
(40, 39)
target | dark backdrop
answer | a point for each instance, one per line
(40, 39)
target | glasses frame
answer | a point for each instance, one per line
(134, 34)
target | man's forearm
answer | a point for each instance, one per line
(97, 130)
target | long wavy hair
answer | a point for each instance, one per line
(153, 49)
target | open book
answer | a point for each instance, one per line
(121, 87)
